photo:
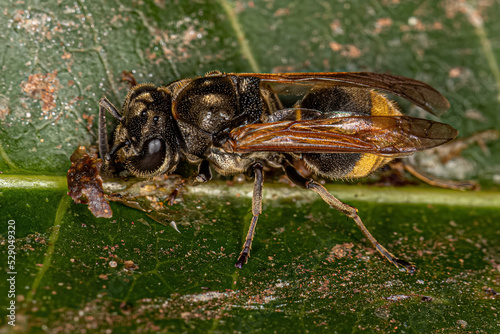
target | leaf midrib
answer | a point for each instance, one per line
(358, 193)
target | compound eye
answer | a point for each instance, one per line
(155, 146)
(151, 159)
(154, 154)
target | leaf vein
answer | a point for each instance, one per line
(63, 207)
(240, 35)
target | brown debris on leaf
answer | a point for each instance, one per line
(42, 87)
(153, 195)
(85, 183)
(340, 251)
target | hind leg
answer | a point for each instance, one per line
(349, 211)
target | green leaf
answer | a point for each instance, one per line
(60, 58)
(309, 266)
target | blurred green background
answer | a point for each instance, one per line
(59, 58)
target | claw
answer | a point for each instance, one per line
(410, 268)
(243, 259)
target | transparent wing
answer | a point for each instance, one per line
(415, 91)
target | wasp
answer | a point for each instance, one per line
(340, 125)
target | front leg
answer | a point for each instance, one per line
(204, 174)
(256, 211)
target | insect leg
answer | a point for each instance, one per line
(348, 210)
(104, 105)
(204, 174)
(433, 181)
(256, 211)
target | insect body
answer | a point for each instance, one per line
(339, 125)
